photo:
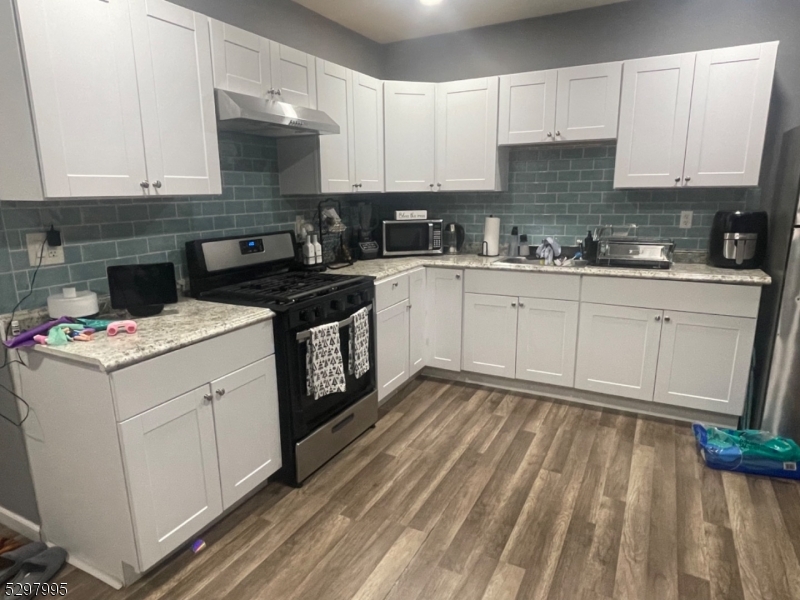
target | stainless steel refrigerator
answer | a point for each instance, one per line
(779, 326)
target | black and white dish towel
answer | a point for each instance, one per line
(359, 344)
(324, 364)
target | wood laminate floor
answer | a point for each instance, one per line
(465, 492)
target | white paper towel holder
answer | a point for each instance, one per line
(485, 244)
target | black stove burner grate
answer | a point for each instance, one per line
(287, 287)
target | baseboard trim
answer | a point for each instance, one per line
(19, 524)
(581, 397)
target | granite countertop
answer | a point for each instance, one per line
(180, 325)
(382, 268)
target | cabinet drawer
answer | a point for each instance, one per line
(689, 296)
(391, 291)
(145, 385)
(528, 285)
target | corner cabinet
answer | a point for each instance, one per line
(350, 161)
(444, 307)
(695, 119)
(563, 105)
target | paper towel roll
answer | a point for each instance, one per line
(491, 236)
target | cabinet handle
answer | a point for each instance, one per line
(145, 184)
(157, 184)
(667, 319)
(221, 392)
(208, 397)
(658, 317)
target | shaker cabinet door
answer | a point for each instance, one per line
(618, 350)
(392, 340)
(82, 80)
(334, 96)
(466, 135)
(730, 104)
(588, 102)
(368, 132)
(294, 75)
(416, 284)
(527, 108)
(170, 455)
(653, 121)
(410, 136)
(444, 289)
(241, 60)
(173, 61)
(247, 427)
(704, 362)
(490, 334)
(547, 340)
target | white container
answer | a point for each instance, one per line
(72, 303)
(309, 256)
(317, 249)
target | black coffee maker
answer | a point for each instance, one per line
(738, 239)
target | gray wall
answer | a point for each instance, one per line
(294, 25)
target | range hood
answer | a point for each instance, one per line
(267, 117)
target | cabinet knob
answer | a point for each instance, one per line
(513, 305)
(558, 133)
(677, 180)
(277, 92)
(431, 186)
(549, 134)
(658, 317)
(145, 184)
(157, 184)
(395, 284)
(687, 179)
(221, 392)
(458, 276)
(667, 319)
(439, 184)
(208, 397)
(522, 305)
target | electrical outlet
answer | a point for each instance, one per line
(686, 219)
(50, 255)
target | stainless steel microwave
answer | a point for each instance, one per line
(408, 238)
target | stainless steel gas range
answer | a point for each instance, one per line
(261, 270)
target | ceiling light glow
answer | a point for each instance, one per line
(430, 2)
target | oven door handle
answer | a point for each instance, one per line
(343, 423)
(305, 335)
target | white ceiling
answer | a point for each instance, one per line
(388, 21)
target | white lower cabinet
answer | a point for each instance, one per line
(547, 337)
(416, 325)
(618, 350)
(247, 427)
(704, 361)
(172, 472)
(490, 334)
(393, 348)
(444, 291)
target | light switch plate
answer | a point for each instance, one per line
(686, 219)
(51, 255)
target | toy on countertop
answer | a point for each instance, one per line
(64, 333)
(117, 326)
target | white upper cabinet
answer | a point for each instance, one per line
(368, 133)
(85, 103)
(527, 107)
(293, 75)
(563, 105)
(704, 361)
(466, 135)
(410, 136)
(241, 60)
(587, 106)
(335, 97)
(490, 334)
(730, 104)
(654, 119)
(696, 119)
(176, 90)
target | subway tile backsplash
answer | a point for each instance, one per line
(552, 191)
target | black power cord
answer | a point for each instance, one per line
(6, 361)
